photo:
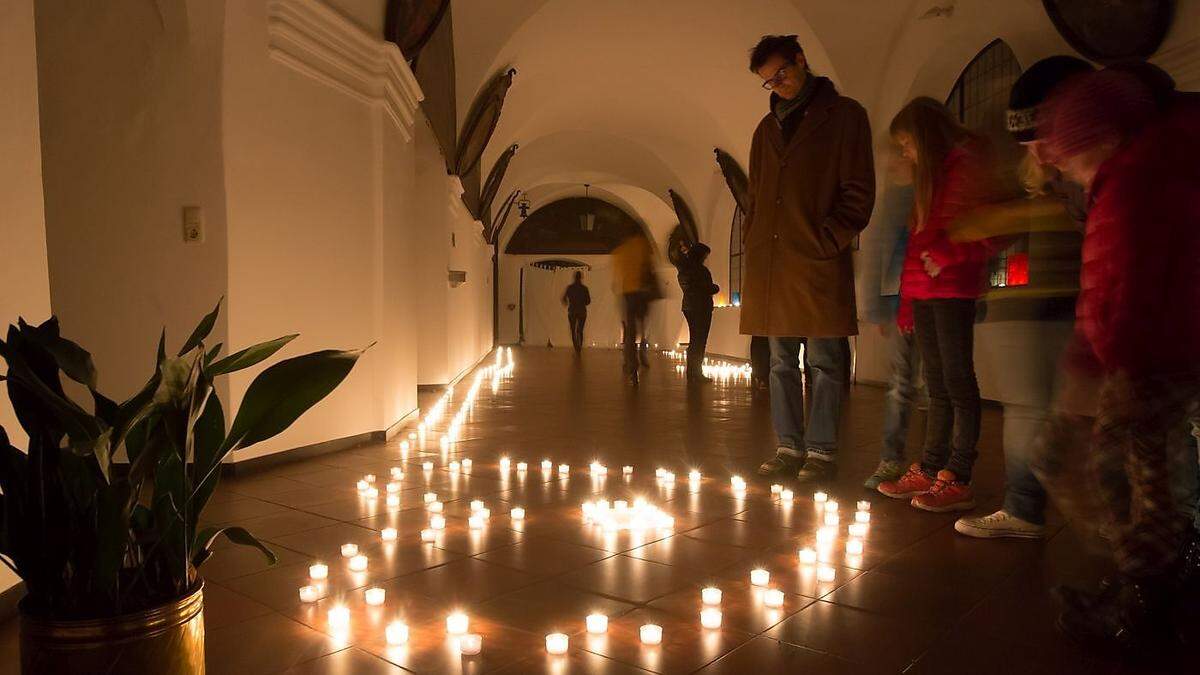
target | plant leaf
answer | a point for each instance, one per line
(208, 436)
(112, 519)
(202, 330)
(249, 356)
(75, 361)
(237, 535)
(212, 353)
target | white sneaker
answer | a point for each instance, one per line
(999, 524)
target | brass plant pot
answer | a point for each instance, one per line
(164, 640)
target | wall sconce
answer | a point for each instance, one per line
(457, 278)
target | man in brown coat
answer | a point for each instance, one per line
(812, 184)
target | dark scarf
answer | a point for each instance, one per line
(789, 112)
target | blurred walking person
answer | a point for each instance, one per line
(577, 298)
(812, 188)
(939, 286)
(636, 282)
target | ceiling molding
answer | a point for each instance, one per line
(317, 41)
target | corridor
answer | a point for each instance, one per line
(920, 598)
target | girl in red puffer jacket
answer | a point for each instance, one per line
(939, 285)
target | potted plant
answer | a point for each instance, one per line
(100, 516)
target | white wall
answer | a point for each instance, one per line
(23, 275)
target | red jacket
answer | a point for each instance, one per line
(966, 182)
(1139, 298)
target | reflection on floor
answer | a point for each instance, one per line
(919, 597)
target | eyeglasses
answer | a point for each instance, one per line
(779, 76)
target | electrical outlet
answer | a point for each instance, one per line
(193, 225)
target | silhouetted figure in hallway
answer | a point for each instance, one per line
(812, 188)
(698, 288)
(577, 298)
(635, 280)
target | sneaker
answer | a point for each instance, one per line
(782, 464)
(888, 470)
(817, 471)
(999, 524)
(947, 494)
(911, 484)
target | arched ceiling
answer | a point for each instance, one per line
(636, 94)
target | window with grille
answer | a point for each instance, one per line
(979, 98)
(736, 257)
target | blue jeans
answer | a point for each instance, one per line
(902, 392)
(826, 358)
(1024, 496)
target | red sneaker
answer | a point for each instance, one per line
(911, 484)
(947, 494)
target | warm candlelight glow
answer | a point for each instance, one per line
(760, 577)
(309, 593)
(339, 618)
(470, 644)
(466, 464)
(825, 574)
(318, 571)
(773, 598)
(388, 534)
(457, 623)
(427, 466)
(393, 488)
(627, 470)
(437, 522)
(475, 522)
(808, 556)
(556, 643)
(820, 497)
(597, 623)
(370, 478)
(858, 530)
(831, 506)
(517, 513)
(363, 486)
(710, 617)
(864, 505)
(476, 504)
(358, 563)
(436, 507)
(854, 547)
(564, 469)
(349, 550)
(375, 596)
(427, 535)
(776, 489)
(396, 633)
(547, 465)
(504, 464)
(786, 495)
(484, 513)
(710, 595)
(393, 500)
(522, 466)
(832, 519)
(430, 497)
(397, 473)
(372, 493)
(454, 466)
(826, 535)
(651, 634)
(862, 516)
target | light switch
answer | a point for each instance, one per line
(193, 225)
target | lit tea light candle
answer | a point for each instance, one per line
(710, 617)
(556, 643)
(475, 522)
(466, 464)
(349, 550)
(826, 535)
(370, 478)
(437, 522)
(658, 472)
(854, 547)
(457, 623)
(808, 556)
(831, 506)
(430, 497)
(505, 463)
(318, 571)
(547, 465)
(737, 482)
(786, 495)
(820, 497)
(627, 470)
(393, 500)
(517, 513)
(396, 633)
(339, 618)
(454, 466)
(522, 466)
(404, 446)
(564, 469)
(358, 563)
(862, 516)
(864, 505)
(476, 504)
(710, 595)
(776, 489)
(388, 534)
(397, 473)
(436, 507)
(832, 519)
(484, 513)
(651, 634)
(470, 644)
(372, 493)
(427, 535)
(760, 577)
(375, 596)
(309, 593)
(363, 486)
(826, 574)
(427, 466)
(597, 623)
(393, 488)
(858, 530)
(773, 598)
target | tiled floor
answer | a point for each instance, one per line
(921, 599)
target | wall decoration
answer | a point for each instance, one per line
(481, 122)
(410, 23)
(1112, 30)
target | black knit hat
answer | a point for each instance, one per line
(1033, 86)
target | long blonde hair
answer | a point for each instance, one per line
(935, 132)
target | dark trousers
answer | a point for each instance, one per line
(946, 339)
(699, 322)
(636, 306)
(577, 321)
